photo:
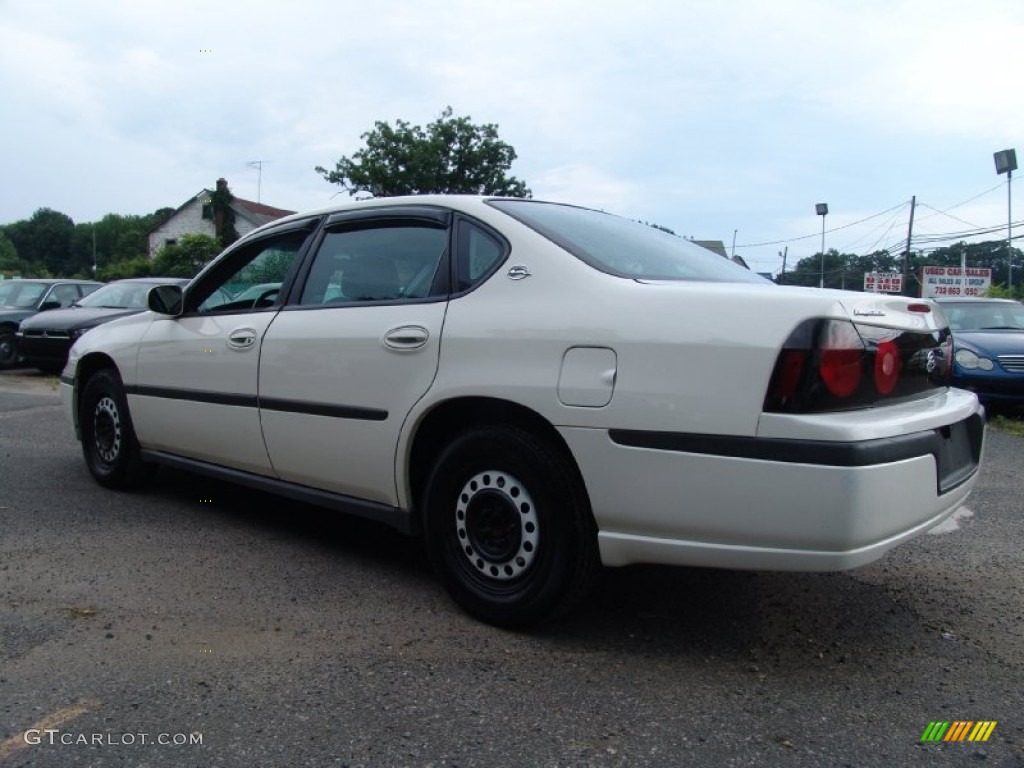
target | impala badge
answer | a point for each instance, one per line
(518, 272)
(868, 313)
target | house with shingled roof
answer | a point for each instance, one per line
(195, 216)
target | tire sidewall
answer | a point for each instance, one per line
(116, 472)
(558, 506)
(8, 338)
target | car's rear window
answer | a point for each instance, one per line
(622, 247)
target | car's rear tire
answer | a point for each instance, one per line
(8, 349)
(508, 526)
(111, 450)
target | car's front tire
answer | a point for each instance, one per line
(508, 526)
(8, 349)
(111, 450)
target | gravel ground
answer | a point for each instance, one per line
(283, 635)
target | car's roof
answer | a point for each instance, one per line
(175, 280)
(465, 203)
(51, 280)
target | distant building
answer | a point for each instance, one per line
(717, 246)
(195, 217)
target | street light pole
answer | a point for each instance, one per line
(1006, 162)
(1009, 230)
(822, 210)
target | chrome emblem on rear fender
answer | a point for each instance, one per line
(868, 313)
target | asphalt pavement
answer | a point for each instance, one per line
(198, 624)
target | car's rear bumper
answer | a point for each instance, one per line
(811, 507)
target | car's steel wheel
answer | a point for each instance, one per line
(508, 526)
(111, 450)
(107, 429)
(496, 520)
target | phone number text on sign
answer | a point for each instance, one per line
(955, 290)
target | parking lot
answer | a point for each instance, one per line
(196, 623)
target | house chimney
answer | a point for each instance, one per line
(222, 185)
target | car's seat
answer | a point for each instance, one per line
(370, 278)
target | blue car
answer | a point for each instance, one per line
(988, 338)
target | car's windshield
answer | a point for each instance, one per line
(119, 296)
(622, 247)
(21, 294)
(985, 315)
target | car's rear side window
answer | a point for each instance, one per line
(377, 263)
(622, 247)
(478, 253)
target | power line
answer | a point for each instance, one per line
(949, 215)
(891, 223)
(904, 204)
(968, 200)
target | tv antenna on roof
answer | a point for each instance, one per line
(258, 165)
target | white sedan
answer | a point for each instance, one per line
(538, 389)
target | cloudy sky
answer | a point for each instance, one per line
(710, 117)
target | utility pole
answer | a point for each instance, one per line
(906, 254)
(784, 254)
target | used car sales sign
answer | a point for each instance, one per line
(951, 281)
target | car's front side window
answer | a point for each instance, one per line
(64, 294)
(379, 263)
(228, 287)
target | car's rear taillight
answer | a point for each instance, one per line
(842, 358)
(887, 367)
(831, 364)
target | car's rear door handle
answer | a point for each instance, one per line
(242, 338)
(406, 337)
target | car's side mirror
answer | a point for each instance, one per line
(51, 304)
(165, 299)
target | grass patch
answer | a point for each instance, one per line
(1006, 424)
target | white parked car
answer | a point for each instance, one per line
(539, 389)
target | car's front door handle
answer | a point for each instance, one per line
(242, 338)
(406, 337)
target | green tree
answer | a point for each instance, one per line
(223, 215)
(9, 261)
(842, 270)
(44, 240)
(186, 257)
(140, 266)
(451, 155)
